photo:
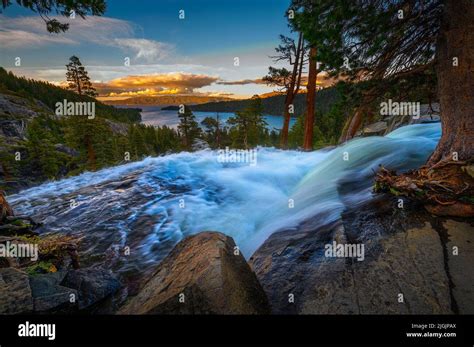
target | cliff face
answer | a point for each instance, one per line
(15, 113)
(413, 263)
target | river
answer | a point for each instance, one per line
(152, 204)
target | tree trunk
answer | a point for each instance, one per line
(78, 82)
(310, 97)
(352, 126)
(456, 83)
(292, 90)
(286, 127)
(218, 140)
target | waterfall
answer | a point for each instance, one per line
(152, 204)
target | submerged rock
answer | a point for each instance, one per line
(202, 275)
(406, 267)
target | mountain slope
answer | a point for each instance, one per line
(273, 105)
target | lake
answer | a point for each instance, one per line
(153, 115)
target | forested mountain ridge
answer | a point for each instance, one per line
(38, 145)
(50, 94)
(166, 100)
(273, 105)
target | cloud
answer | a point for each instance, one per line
(25, 32)
(149, 50)
(154, 84)
(14, 39)
(242, 82)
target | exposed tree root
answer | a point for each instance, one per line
(5, 209)
(445, 189)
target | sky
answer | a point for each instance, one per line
(168, 55)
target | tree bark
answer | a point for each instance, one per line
(456, 83)
(310, 98)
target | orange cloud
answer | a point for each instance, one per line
(154, 84)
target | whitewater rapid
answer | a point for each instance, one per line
(151, 205)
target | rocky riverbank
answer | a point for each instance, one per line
(42, 274)
(413, 263)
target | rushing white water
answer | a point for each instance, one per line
(140, 204)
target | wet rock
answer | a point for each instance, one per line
(92, 284)
(199, 144)
(377, 128)
(15, 292)
(460, 251)
(201, 275)
(403, 254)
(49, 296)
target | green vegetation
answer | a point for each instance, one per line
(54, 146)
(273, 105)
(188, 127)
(245, 130)
(65, 8)
(50, 94)
(78, 78)
(248, 125)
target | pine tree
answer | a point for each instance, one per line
(248, 126)
(43, 159)
(78, 78)
(188, 127)
(213, 130)
(44, 8)
(286, 81)
(384, 43)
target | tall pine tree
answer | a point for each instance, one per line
(78, 78)
(188, 127)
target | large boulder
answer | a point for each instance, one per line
(407, 267)
(204, 274)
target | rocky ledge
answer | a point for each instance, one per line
(407, 262)
(204, 274)
(413, 263)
